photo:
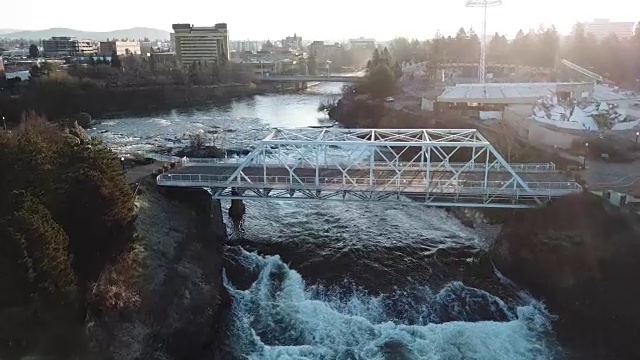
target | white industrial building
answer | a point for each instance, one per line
(478, 95)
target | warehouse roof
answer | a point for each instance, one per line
(506, 92)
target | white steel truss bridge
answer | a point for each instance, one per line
(447, 167)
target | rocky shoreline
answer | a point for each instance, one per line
(576, 253)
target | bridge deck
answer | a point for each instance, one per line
(469, 189)
(221, 173)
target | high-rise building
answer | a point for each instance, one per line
(204, 44)
(67, 46)
(602, 28)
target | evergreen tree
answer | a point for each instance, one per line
(33, 51)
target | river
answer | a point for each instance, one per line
(347, 280)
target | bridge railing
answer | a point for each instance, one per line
(399, 184)
(524, 167)
(166, 158)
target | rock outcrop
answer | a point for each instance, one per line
(164, 299)
(581, 255)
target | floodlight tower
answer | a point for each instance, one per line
(484, 4)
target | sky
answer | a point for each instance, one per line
(314, 20)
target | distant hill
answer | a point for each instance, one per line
(7, 31)
(133, 33)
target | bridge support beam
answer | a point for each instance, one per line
(236, 212)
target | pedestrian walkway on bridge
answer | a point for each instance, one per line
(448, 167)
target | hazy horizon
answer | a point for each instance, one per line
(330, 20)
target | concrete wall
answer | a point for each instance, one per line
(426, 104)
(516, 116)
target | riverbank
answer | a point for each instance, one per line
(63, 99)
(579, 254)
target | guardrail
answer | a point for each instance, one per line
(462, 186)
(518, 167)
(166, 158)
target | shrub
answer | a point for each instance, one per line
(65, 212)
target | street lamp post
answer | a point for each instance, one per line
(584, 162)
(122, 163)
(637, 135)
(4, 126)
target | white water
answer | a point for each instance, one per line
(278, 317)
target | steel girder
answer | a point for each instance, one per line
(448, 167)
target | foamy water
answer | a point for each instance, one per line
(279, 317)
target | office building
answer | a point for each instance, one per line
(67, 46)
(602, 28)
(246, 46)
(362, 43)
(322, 51)
(121, 48)
(204, 44)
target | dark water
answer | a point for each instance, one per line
(348, 280)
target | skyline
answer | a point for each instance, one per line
(411, 20)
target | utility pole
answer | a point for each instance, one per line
(484, 4)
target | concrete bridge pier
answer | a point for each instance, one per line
(297, 86)
(237, 210)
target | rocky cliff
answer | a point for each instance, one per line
(581, 256)
(164, 298)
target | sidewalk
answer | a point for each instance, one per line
(134, 174)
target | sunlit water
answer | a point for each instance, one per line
(277, 315)
(233, 124)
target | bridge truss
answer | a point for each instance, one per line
(448, 167)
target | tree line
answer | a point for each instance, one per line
(612, 57)
(65, 212)
(118, 83)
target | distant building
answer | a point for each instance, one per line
(67, 46)
(292, 42)
(146, 48)
(242, 47)
(602, 28)
(166, 58)
(205, 44)
(120, 47)
(363, 43)
(322, 51)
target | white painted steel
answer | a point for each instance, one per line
(364, 153)
(518, 167)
